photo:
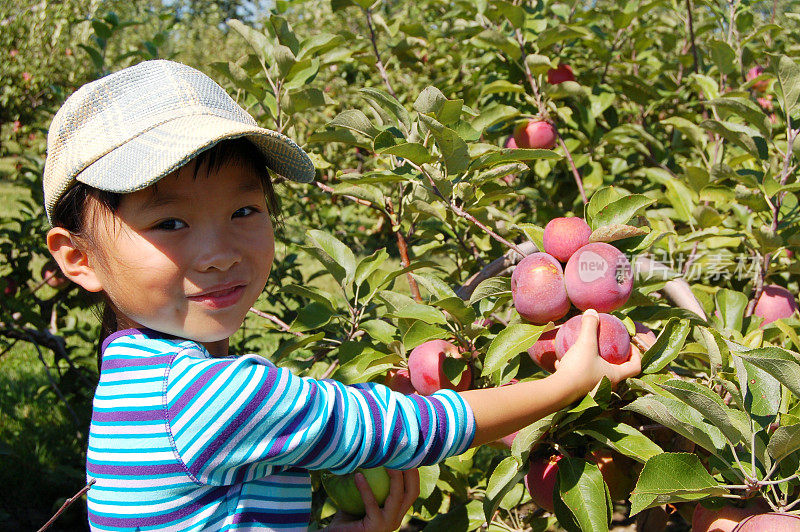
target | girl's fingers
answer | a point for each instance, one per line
(411, 478)
(394, 501)
(370, 504)
(589, 324)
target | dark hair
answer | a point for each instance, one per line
(73, 210)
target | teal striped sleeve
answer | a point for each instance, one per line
(229, 417)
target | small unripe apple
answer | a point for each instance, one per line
(536, 134)
(560, 75)
(345, 495)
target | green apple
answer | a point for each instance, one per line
(345, 495)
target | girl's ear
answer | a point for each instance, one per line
(72, 259)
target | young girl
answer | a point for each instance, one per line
(156, 183)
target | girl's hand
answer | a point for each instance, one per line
(403, 491)
(584, 365)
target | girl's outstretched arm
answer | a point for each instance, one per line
(504, 410)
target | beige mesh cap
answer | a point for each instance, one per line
(127, 130)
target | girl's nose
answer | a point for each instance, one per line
(216, 251)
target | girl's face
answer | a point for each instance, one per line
(189, 256)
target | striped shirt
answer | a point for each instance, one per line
(183, 441)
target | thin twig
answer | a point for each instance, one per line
(691, 36)
(275, 320)
(379, 64)
(67, 504)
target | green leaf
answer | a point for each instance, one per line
(355, 120)
(747, 110)
(530, 435)
(508, 155)
(418, 311)
(369, 264)
(495, 40)
(389, 103)
(583, 502)
(778, 362)
(430, 101)
(456, 307)
(614, 232)
(337, 135)
(312, 316)
(454, 150)
(95, 55)
(462, 517)
(509, 342)
(784, 442)
(600, 200)
(723, 55)
(711, 406)
(507, 473)
(256, 39)
(317, 44)
(502, 85)
(339, 255)
(428, 476)
(380, 330)
(621, 437)
(453, 368)
(311, 292)
(746, 138)
(762, 392)
(667, 346)
(386, 143)
(285, 59)
(492, 287)
(620, 211)
(534, 233)
(370, 193)
(731, 306)
(680, 418)
(420, 332)
(673, 477)
(294, 344)
(789, 82)
(492, 115)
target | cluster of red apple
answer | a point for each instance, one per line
(597, 275)
(760, 88)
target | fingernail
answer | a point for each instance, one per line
(591, 312)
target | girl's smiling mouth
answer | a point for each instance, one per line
(220, 296)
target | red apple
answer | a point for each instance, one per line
(399, 381)
(613, 339)
(564, 236)
(541, 480)
(617, 471)
(753, 73)
(724, 519)
(543, 352)
(536, 134)
(426, 368)
(51, 274)
(598, 276)
(537, 288)
(560, 75)
(11, 287)
(770, 522)
(775, 303)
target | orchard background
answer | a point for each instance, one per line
(666, 146)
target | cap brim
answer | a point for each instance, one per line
(147, 158)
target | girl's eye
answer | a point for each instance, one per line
(244, 211)
(170, 225)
